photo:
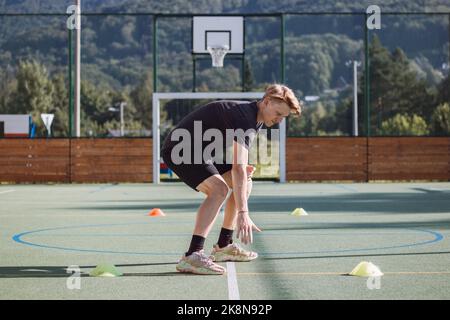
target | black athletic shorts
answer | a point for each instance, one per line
(194, 174)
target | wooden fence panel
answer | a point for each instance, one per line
(325, 159)
(307, 159)
(111, 160)
(409, 158)
(34, 160)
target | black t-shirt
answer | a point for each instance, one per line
(236, 118)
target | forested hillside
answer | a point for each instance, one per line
(409, 75)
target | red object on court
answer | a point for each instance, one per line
(156, 212)
(163, 166)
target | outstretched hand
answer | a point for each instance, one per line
(245, 227)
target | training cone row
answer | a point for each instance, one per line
(299, 212)
(366, 269)
(156, 212)
(106, 270)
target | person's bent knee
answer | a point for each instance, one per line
(219, 190)
(215, 189)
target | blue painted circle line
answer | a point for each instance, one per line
(19, 239)
(437, 237)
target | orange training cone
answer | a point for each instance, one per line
(156, 212)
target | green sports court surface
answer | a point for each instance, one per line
(403, 228)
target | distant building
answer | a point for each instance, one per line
(15, 126)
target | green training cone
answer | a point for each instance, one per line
(366, 269)
(105, 270)
(299, 212)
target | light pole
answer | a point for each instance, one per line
(122, 105)
(355, 64)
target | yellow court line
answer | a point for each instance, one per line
(336, 273)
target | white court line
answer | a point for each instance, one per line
(233, 289)
(7, 191)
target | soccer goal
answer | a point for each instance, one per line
(160, 96)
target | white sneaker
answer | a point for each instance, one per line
(199, 263)
(232, 252)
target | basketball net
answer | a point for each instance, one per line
(218, 54)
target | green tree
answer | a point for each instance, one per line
(60, 106)
(227, 78)
(248, 75)
(34, 92)
(90, 128)
(440, 120)
(95, 102)
(342, 119)
(7, 96)
(414, 96)
(310, 123)
(396, 87)
(402, 124)
(444, 91)
(141, 98)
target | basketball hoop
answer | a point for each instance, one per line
(218, 54)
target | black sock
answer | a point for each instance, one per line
(225, 238)
(197, 243)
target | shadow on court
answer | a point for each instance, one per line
(430, 201)
(358, 255)
(61, 271)
(439, 224)
(402, 228)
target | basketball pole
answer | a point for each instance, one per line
(283, 138)
(77, 71)
(367, 75)
(282, 49)
(155, 53)
(194, 77)
(70, 83)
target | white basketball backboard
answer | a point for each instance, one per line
(212, 31)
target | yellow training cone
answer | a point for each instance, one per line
(366, 269)
(105, 270)
(299, 212)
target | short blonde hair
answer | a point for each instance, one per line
(283, 93)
